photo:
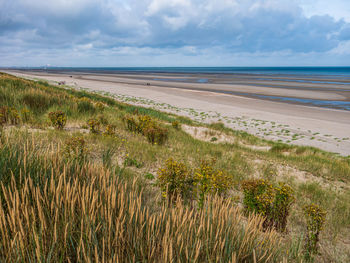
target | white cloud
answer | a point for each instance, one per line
(339, 9)
(56, 6)
(158, 5)
(184, 28)
(342, 49)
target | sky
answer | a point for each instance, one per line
(131, 33)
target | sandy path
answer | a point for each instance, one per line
(327, 129)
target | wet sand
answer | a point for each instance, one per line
(233, 99)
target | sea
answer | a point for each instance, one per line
(306, 71)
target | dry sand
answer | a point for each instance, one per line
(327, 129)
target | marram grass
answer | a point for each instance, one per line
(98, 217)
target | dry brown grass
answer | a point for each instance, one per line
(96, 216)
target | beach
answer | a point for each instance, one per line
(300, 110)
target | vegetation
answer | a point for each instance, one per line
(209, 180)
(175, 180)
(150, 128)
(9, 115)
(273, 202)
(110, 130)
(75, 149)
(90, 192)
(58, 119)
(176, 125)
(94, 125)
(315, 217)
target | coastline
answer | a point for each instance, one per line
(323, 128)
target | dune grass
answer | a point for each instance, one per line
(55, 210)
(107, 206)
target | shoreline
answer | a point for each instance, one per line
(327, 94)
(323, 128)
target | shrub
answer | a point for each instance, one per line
(75, 148)
(146, 126)
(144, 122)
(156, 134)
(138, 124)
(58, 119)
(210, 181)
(9, 115)
(175, 180)
(258, 196)
(131, 123)
(176, 125)
(283, 200)
(315, 218)
(109, 130)
(272, 202)
(94, 125)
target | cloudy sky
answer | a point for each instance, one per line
(175, 32)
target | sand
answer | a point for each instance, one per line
(327, 129)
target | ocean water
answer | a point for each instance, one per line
(306, 71)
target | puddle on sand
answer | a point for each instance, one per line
(182, 80)
(334, 104)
